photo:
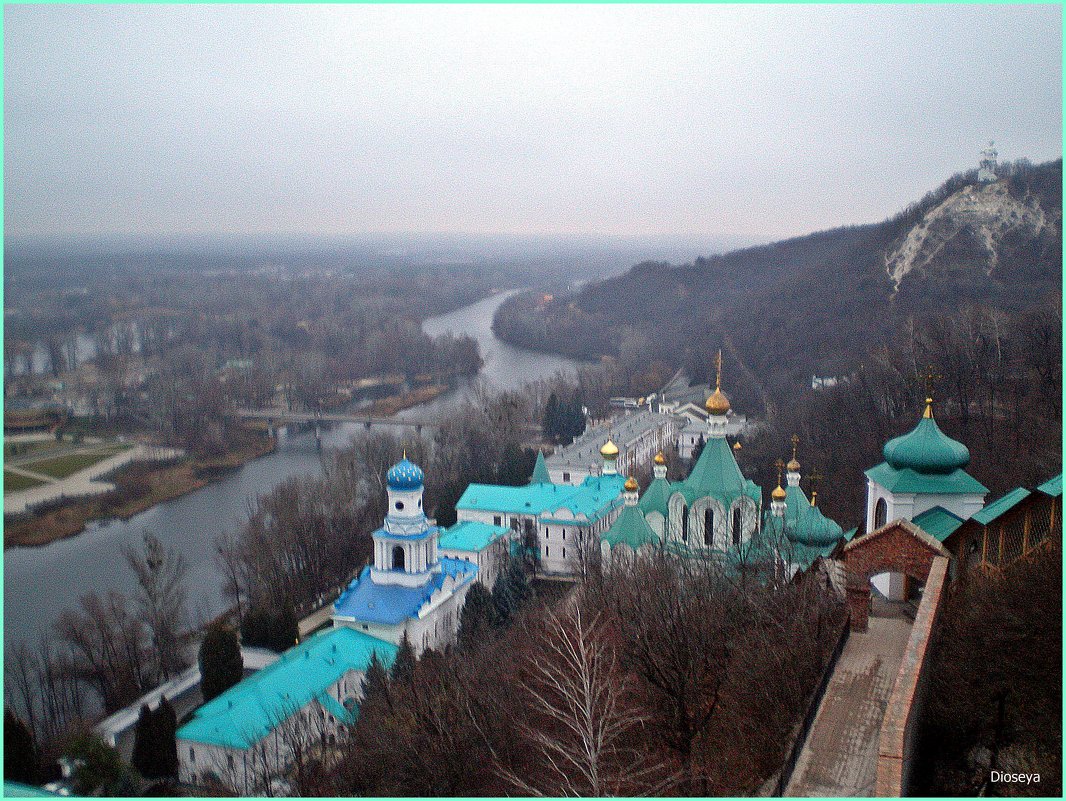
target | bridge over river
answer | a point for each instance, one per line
(277, 417)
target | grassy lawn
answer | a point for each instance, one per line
(26, 448)
(13, 482)
(63, 466)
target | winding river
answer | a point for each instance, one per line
(39, 583)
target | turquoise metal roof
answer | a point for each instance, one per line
(19, 790)
(249, 710)
(592, 498)
(656, 497)
(630, 528)
(717, 475)
(540, 471)
(470, 535)
(1052, 487)
(957, 482)
(1004, 504)
(805, 524)
(926, 449)
(938, 523)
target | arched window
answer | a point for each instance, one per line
(880, 513)
(684, 523)
(736, 526)
(397, 558)
(708, 527)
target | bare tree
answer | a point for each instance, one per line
(583, 725)
(161, 575)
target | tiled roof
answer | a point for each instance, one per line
(716, 474)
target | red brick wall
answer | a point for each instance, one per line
(892, 549)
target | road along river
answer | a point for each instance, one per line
(39, 583)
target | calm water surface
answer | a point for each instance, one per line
(39, 583)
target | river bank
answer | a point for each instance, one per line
(138, 487)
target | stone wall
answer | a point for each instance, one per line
(899, 727)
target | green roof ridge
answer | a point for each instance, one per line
(630, 528)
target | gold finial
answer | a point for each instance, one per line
(793, 463)
(659, 458)
(736, 445)
(814, 478)
(778, 493)
(930, 377)
(404, 453)
(631, 484)
(609, 449)
(717, 403)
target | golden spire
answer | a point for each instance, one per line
(736, 445)
(717, 403)
(778, 493)
(814, 478)
(659, 458)
(930, 377)
(793, 464)
(631, 485)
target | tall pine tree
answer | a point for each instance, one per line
(375, 680)
(476, 619)
(403, 669)
(221, 664)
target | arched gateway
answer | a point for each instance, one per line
(898, 547)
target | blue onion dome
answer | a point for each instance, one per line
(926, 449)
(404, 475)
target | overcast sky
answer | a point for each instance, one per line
(690, 120)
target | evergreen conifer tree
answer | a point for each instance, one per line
(20, 754)
(143, 758)
(510, 593)
(375, 680)
(221, 664)
(476, 619)
(166, 739)
(550, 424)
(403, 669)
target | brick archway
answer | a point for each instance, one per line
(899, 547)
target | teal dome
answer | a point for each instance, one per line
(926, 449)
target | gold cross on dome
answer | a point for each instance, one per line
(930, 377)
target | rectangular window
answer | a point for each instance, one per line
(564, 553)
(564, 533)
(229, 761)
(547, 533)
(566, 478)
(192, 754)
(497, 520)
(547, 551)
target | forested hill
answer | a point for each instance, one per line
(816, 304)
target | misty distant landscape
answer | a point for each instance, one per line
(584, 401)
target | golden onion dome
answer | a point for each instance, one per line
(659, 458)
(718, 403)
(778, 494)
(631, 484)
(793, 466)
(609, 450)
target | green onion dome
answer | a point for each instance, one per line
(926, 449)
